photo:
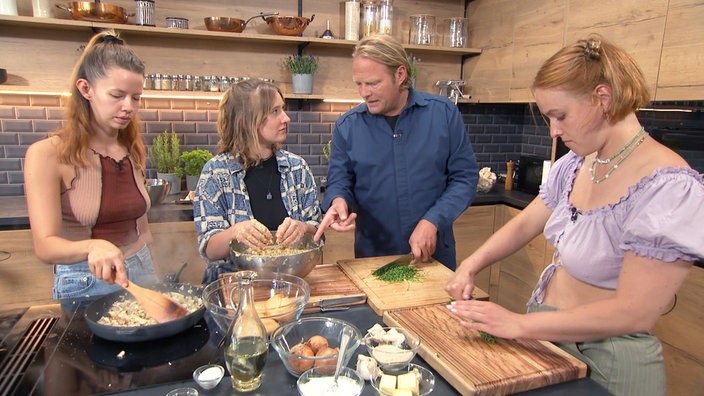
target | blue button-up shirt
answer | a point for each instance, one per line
(423, 169)
(221, 199)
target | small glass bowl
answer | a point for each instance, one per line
(208, 376)
(427, 379)
(183, 392)
(352, 386)
(388, 353)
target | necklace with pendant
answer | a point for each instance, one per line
(624, 153)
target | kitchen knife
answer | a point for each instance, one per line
(406, 259)
(340, 303)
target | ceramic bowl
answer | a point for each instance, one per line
(287, 336)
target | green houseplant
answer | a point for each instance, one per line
(302, 68)
(413, 73)
(193, 162)
(165, 152)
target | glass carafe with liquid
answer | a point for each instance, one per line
(247, 344)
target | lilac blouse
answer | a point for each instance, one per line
(660, 217)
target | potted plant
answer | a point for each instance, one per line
(164, 153)
(302, 68)
(413, 73)
(193, 162)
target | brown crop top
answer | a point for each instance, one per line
(98, 204)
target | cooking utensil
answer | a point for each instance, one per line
(340, 303)
(406, 259)
(100, 307)
(95, 11)
(288, 25)
(234, 25)
(347, 334)
(157, 305)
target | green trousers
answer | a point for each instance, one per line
(631, 364)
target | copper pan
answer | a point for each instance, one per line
(288, 25)
(95, 11)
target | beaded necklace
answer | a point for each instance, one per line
(630, 147)
(606, 161)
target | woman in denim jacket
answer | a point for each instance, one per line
(252, 186)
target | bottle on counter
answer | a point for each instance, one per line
(247, 343)
(352, 11)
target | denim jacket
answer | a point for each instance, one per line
(221, 198)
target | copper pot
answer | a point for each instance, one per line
(95, 11)
(234, 25)
(288, 25)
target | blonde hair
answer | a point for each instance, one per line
(580, 67)
(388, 51)
(243, 109)
(103, 52)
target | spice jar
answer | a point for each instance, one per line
(205, 84)
(214, 84)
(197, 84)
(224, 83)
(187, 83)
(156, 81)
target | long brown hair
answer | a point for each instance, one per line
(104, 51)
(243, 109)
(580, 67)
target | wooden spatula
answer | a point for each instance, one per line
(157, 305)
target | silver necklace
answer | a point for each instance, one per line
(624, 148)
(624, 155)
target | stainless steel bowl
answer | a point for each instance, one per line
(158, 189)
(294, 264)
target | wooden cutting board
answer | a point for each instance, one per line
(328, 281)
(475, 367)
(383, 296)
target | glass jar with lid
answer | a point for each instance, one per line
(214, 84)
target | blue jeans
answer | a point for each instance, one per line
(75, 281)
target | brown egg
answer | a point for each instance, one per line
(301, 365)
(317, 343)
(278, 304)
(327, 366)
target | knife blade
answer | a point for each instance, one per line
(340, 303)
(405, 259)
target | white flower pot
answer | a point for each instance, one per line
(302, 83)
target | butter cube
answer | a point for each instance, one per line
(408, 381)
(387, 384)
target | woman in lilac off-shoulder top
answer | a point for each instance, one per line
(623, 214)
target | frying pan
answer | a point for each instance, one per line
(288, 25)
(134, 356)
(100, 307)
(95, 11)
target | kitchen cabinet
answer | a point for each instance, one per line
(472, 229)
(54, 45)
(665, 38)
(514, 277)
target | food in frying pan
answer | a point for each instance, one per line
(128, 313)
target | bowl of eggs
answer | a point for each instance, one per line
(313, 342)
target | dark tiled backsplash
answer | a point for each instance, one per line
(498, 132)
